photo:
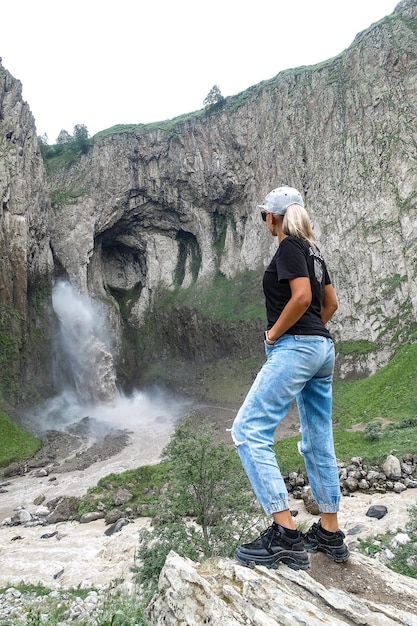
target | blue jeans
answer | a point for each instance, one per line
(301, 367)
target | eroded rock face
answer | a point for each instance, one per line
(26, 264)
(222, 592)
(170, 206)
(25, 209)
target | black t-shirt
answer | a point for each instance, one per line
(296, 258)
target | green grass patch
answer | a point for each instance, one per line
(17, 444)
(142, 478)
(404, 555)
(60, 197)
(169, 126)
(36, 590)
(362, 346)
(394, 441)
(348, 444)
(240, 299)
(405, 558)
(50, 609)
(389, 393)
(41, 591)
(144, 483)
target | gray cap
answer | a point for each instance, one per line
(278, 200)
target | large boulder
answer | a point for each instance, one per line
(221, 591)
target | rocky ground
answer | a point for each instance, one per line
(220, 591)
(83, 555)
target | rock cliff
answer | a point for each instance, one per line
(149, 216)
(174, 205)
(26, 265)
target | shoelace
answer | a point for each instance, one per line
(269, 534)
(317, 528)
(314, 527)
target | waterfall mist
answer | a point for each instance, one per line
(88, 401)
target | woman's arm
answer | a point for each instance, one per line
(329, 306)
(295, 308)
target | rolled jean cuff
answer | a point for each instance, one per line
(329, 508)
(277, 506)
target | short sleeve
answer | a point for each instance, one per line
(291, 260)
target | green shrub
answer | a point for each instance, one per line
(408, 422)
(373, 431)
(208, 510)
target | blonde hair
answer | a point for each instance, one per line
(296, 222)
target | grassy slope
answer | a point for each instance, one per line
(17, 444)
(388, 396)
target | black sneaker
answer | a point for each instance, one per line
(332, 545)
(272, 547)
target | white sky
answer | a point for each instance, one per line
(102, 63)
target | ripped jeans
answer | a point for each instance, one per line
(301, 367)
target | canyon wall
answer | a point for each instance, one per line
(169, 208)
(26, 263)
(175, 204)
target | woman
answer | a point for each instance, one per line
(300, 300)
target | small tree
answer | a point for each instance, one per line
(213, 97)
(81, 137)
(43, 145)
(209, 486)
(80, 132)
(63, 137)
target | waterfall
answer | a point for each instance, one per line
(88, 402)
(83, 359)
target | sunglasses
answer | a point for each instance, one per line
(263, 215)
